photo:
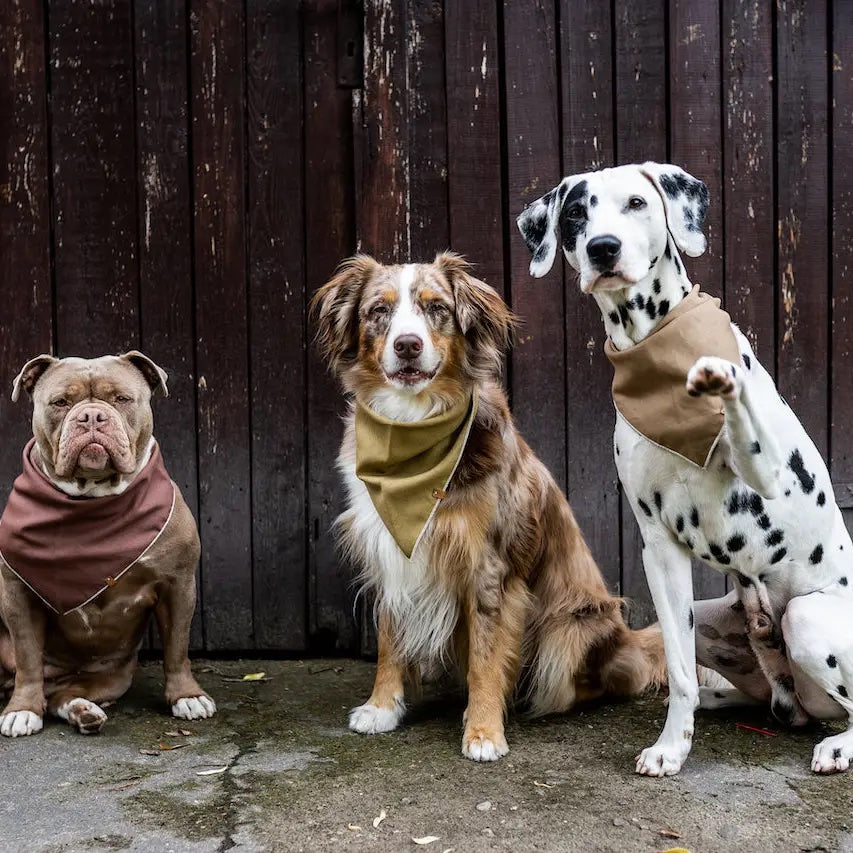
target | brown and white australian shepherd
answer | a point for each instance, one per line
(502, 584)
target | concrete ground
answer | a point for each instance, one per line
(288, 776)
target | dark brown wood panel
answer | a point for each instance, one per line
(695, 144)
(802, 190)
(587, 143)
(165, 235)
(216, 74)
(24, 218)
(641, 134)
(94, 177)
(472, 71)
(277, 305)
(534, 167)
(329, 237)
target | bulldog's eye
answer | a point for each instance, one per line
(120, 398)
(636, 202)
(60, 403)
(576, 212)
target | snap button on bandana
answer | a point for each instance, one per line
(407, 467)
(649, 378)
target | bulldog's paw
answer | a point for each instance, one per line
(86, 716)
(834, 754)
(715, 377)
(20, 724)
(194, 708)
(369, 719)
(480, 745)
(662, 759)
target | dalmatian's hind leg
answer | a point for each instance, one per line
(755, 455)
(819, 635)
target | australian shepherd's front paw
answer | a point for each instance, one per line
(663, 759)
(370, 719)
(482, 745)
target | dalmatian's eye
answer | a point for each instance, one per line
(636, 202)
(576, 212)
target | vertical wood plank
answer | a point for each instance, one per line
(841, 278)
(276, 302)
(696, 145)
(94, 177)
(24, 218)
(474, 136)
(586, 34)
(165, 238)
(216, 75)
(533, 168)
(641, 134)
(748, 220)
(802, 215)
(329, 237)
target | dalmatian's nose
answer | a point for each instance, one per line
(604, 251)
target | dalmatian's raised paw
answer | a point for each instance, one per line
(715, 377)
(662, 759)
(834, 754)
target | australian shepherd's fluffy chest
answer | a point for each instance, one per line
(502, 583)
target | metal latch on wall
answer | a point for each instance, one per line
(350, 44)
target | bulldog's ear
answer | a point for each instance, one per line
(685, 200)
(335, 309)
(481, 314)
(538, 224)
(30, 373)
(154, 375)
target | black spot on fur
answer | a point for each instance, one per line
(640, 300)
(795, 463)
(677, 265)
(755, 448)
(617, 449)
(719, 555)
(651, 309)
(746, 360)
(817, 555)
(777, 555)
(690, 618)
(836, 753)
(743, 580)
(737, 503)
(704, 556)
(737, 607)
(764, 522)
(842, 690)
(821, 498)
(694, 517)
(787, 493)
(831, 662)
(843, 581)
(658, 501)
(667, 251)
(614, 317)
(656, 283)
(774, 538)
(644, 507)
(593, 200)
(688, 542)
(756, 504)
(663, 308)
(679, 523)
(623, 315)
(735, 543)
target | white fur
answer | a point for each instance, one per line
(194, 708)
(20, 724)
(73, 709)
(370, 719)
(483, 749)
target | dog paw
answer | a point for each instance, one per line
(480, 746)
(369, 719)
(834, 754)
(20, 724)
(194, 708)
(87, 717)
(715, 377)
(661, 760)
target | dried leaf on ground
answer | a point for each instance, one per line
(539, 784)
(354, 827)
(426, 839)
(379, 818)
(669, 833)
(255, 676)
(214, 772)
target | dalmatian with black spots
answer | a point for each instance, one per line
(762, 510)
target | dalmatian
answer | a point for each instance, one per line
(762, 508)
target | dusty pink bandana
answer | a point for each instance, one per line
(69, 550)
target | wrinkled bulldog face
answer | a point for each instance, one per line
(91, 417)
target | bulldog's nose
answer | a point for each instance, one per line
(408, 346)
(604, 251)
(91, 417)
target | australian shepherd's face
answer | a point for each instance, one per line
(411, 338)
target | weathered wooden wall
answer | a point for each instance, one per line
(180, 176)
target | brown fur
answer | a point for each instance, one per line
(534, 614)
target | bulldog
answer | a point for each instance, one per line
(95, 536)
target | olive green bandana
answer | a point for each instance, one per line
(649, 379)
(407, 467)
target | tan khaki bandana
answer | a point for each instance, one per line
(649, 379)
(407, 467)
(69, 550)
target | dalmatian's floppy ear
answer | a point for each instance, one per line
(538, 226)
(685, 200)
